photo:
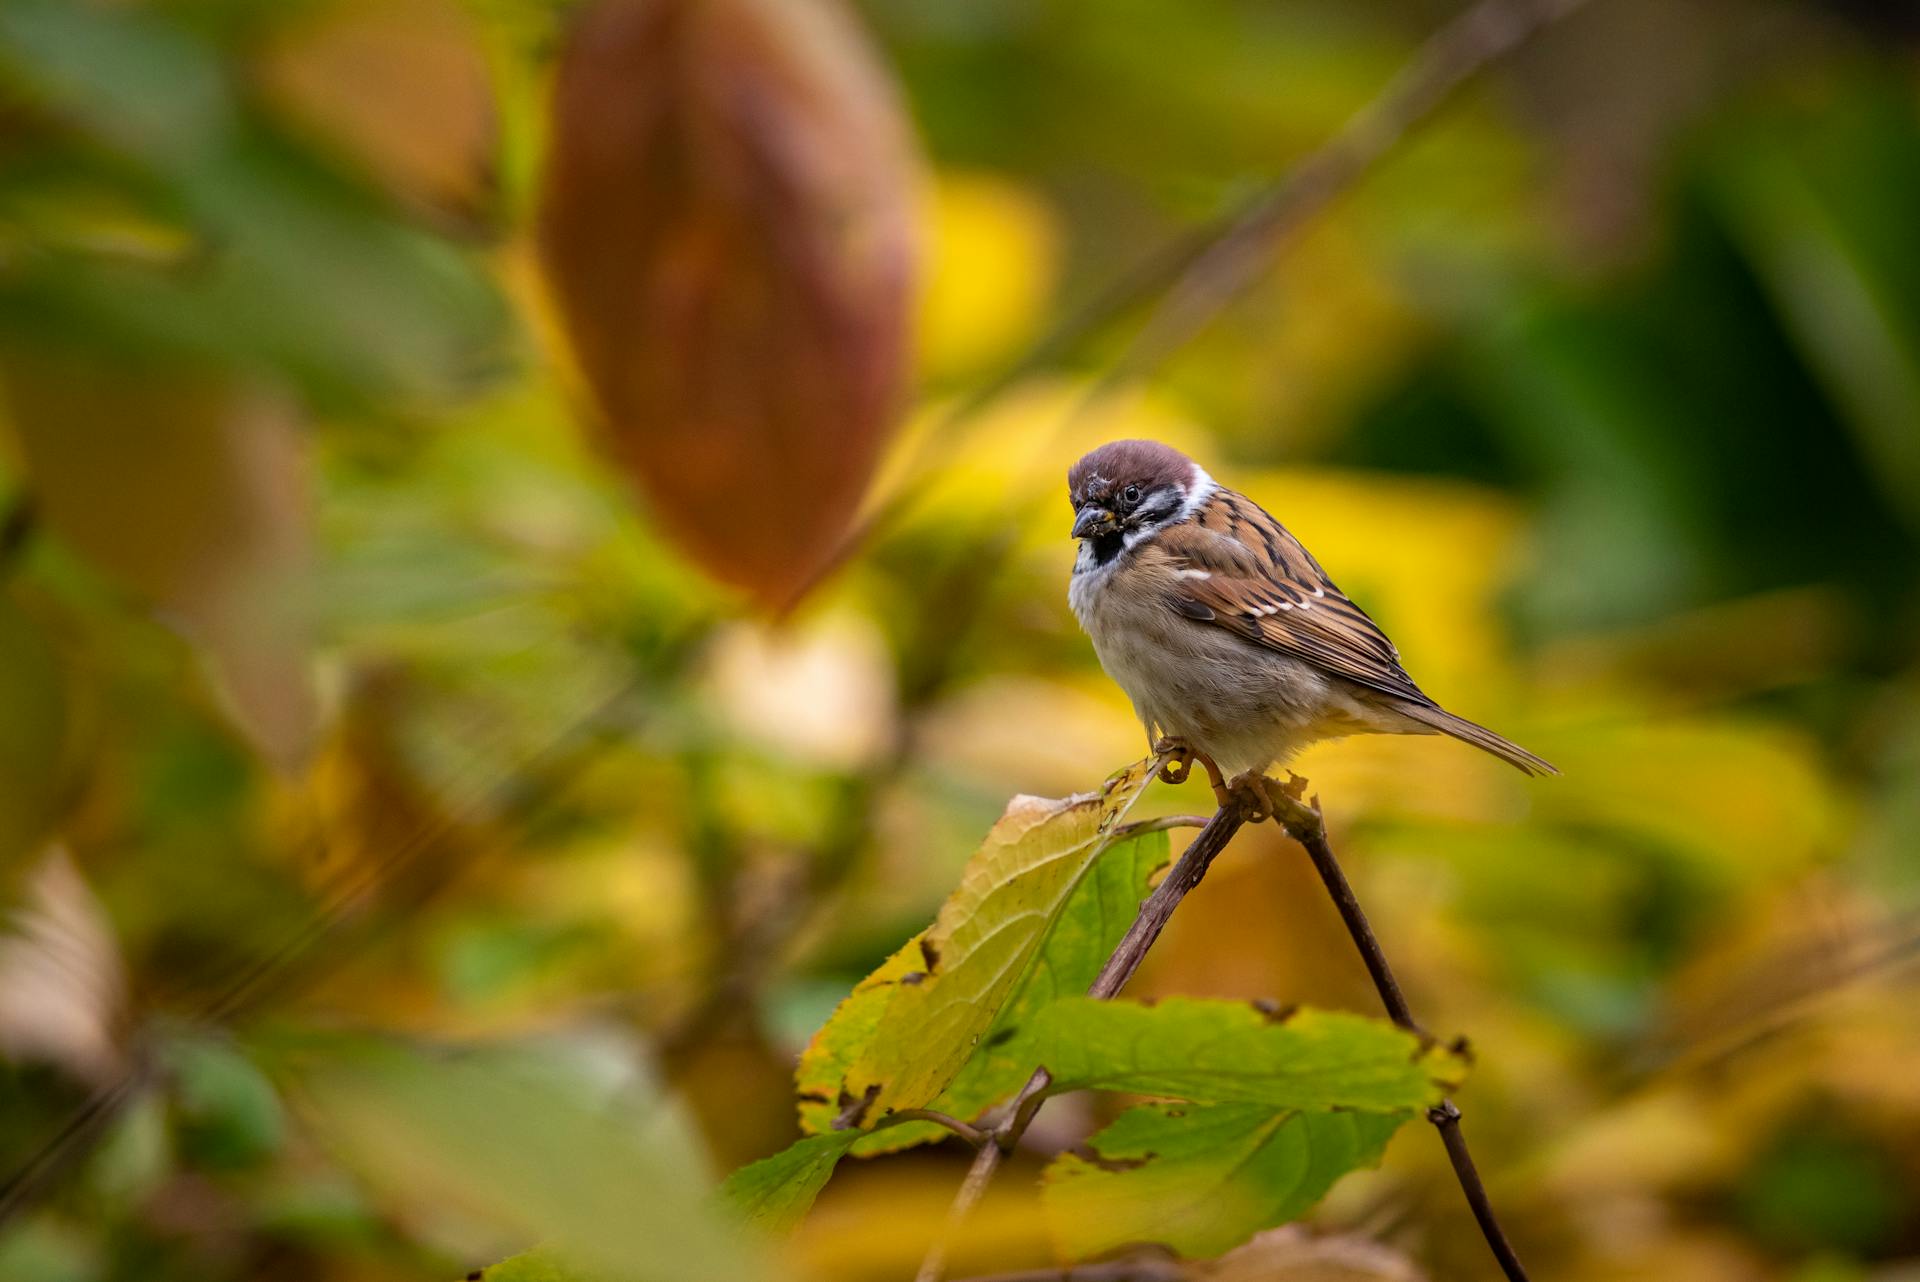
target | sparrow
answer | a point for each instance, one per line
(1233, 644)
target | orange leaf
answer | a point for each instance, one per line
(727, 229)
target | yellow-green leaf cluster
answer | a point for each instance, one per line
(908, 1029)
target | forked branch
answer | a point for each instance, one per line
(1302, 821)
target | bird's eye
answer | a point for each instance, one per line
(1131, 494)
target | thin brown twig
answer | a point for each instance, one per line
(965, 1130)
(1239, 246)
(1303, 822)
(1201, 270)
(1121, 965)
(1165, 823)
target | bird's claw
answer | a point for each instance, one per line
(1260, 797)
(1249, 794)
(1178, 760)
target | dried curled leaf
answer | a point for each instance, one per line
(726, 226)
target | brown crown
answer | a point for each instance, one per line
(1118, 464)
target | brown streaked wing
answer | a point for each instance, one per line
(1264, 585)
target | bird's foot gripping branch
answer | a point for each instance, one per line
(1011, 996)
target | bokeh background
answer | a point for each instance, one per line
(410, 843)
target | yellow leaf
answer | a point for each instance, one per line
(995, 256)
(909, 1028)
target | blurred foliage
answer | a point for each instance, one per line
(408, 856)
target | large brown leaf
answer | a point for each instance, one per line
(726, 227)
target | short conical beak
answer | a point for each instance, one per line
(1092, 521)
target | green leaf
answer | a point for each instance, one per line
(227, 1113)
(909, 1028)
(776, 1192)
(1203, 1178)
(1814, 205)
(820, 1078)
(294, 268)
(1222, 1052)
(1103, 906)
(532, 1143)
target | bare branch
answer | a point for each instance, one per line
(965, 1130)
(1237, 248)
(1303, 823)
(1202, 270)
(1146, 928)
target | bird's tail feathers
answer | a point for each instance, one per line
(1482, 738)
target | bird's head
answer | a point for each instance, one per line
(1125, 490)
